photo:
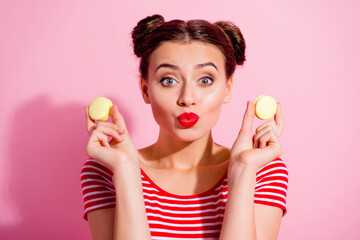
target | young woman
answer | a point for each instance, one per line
(185, 186)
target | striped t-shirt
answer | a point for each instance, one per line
(173, 216)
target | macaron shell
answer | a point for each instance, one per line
(257, 99)
(265, 107)
(99, 109)
(108, 114)
(111, 104)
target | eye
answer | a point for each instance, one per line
(166, 81)
(206, 81)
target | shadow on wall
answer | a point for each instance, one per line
(46, 155)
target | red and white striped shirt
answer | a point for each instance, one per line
(173, 216)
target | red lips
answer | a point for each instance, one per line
(188, 119)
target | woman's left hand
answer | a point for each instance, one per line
(263, 147)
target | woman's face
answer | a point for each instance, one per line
(177, 83)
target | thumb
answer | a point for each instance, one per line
(244, 141)
(117, 118)
(247, 123)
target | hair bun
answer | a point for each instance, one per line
(236, 38)
(143, 30)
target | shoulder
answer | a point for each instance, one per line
(97, 187)
(95, 174)
(272, 184)
(273, 173)
(92, 167)
(275, 166)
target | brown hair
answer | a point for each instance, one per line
(153, 30)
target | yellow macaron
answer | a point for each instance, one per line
(99, 109)
(265, 107)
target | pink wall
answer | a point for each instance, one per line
(56, 56)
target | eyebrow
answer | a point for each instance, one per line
(197, 66)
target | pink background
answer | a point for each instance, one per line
(57, 56)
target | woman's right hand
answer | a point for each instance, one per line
(120, 148)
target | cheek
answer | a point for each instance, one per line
(211, 108)
(213, 101)
(160, 105)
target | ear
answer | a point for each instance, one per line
(144, 90)
(229, 87)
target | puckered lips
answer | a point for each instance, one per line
(188, 119)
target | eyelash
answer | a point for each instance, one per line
(208, 77)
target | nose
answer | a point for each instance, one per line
(187, 96)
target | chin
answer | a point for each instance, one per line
(187, 139)
(188, 135)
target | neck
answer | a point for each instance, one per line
(176, 154)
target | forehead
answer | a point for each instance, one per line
(186, 54)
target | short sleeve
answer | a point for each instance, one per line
(97, 188)
(272, 184)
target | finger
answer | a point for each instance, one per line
(98, 136)
(270, 123)
(110, 125)
(248, 118)
(104, 141)
(273, 147)
(115, 141)
(90, 124)
(111, 132)
(117, 118)
(99, 148)
(265, 138)
(260, 134)
(279, 118)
